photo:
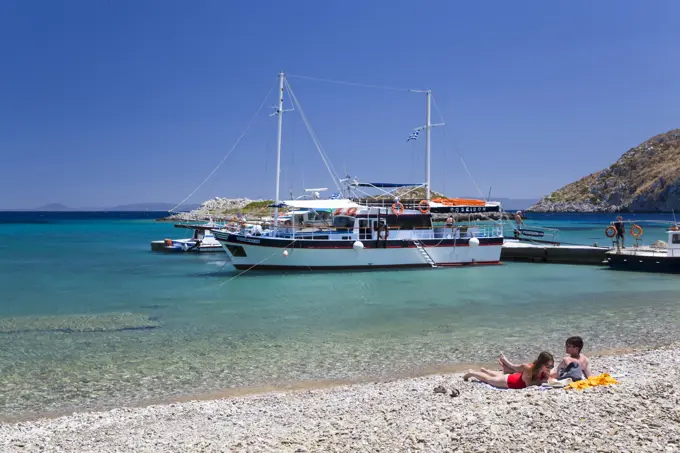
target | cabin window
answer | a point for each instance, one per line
(321, 216)
(341, 221)
(236, 250)
(409, 222)
(676, 239)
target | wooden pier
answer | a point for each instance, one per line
(550, 252)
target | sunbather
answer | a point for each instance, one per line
(526, 375)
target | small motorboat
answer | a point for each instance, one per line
(659, 257)
(202, 239)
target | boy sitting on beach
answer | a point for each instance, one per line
(574, 365)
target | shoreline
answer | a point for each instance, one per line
(287, 387)
(641, 413)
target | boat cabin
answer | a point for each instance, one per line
(674, 241)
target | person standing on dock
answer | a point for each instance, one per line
(518, 220)
(518, 223)
(620, 231)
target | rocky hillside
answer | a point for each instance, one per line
(223, 209)
(645, 179)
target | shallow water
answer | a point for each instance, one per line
(203, 331)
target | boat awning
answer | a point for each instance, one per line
(317, 204)
(383, 185)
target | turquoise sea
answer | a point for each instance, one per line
(91, 318)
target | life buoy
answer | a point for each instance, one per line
(610, 231)
(383, 229)
(397, 208)
(352, 212)
(338, 211)
(424, 206)
(636, 231)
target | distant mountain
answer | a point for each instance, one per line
(58, 207)
(51, 207)
(645, 179)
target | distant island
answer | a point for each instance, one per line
(645, 179)
(58, 207)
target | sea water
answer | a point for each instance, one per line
(91, 318)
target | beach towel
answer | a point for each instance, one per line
(592, 381)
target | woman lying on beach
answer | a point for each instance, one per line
(531, 374)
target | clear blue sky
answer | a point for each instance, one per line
(111, 102)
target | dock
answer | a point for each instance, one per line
(552, 252)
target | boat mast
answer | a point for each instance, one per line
(428, 126)
(279, 112)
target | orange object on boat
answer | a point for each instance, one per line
(593, 381)
(459, 201)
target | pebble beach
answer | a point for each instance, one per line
(641, 413)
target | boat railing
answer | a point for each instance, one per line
(466, 231)
(646, 250)
(534, 233)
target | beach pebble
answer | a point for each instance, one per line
(641, 413)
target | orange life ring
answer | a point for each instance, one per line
(397, 208)
(610, 231)
(424, 206)
(338, 211)
(352, 212)
(636, 231)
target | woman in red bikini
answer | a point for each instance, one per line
(531, 374)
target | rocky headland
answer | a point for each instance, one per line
(645, 179)
(222, 209)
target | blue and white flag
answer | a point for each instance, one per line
(335, 196)
(413, 136)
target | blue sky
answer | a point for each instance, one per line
(111, 102)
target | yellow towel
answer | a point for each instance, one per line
(592, 381)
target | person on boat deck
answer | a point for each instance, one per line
(449, 221)
(574, 365)
(535, 373)
(620, 231)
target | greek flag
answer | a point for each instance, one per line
(335, 196)
(413, 136)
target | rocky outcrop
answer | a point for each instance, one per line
(645, 179)
(217, 209)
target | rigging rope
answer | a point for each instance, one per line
(364, 85)
(230, 151)
(457, 152)
(324, 156)
(256, 264)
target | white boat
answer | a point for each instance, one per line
(660, 257)
(202, 240)
(368, 235)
